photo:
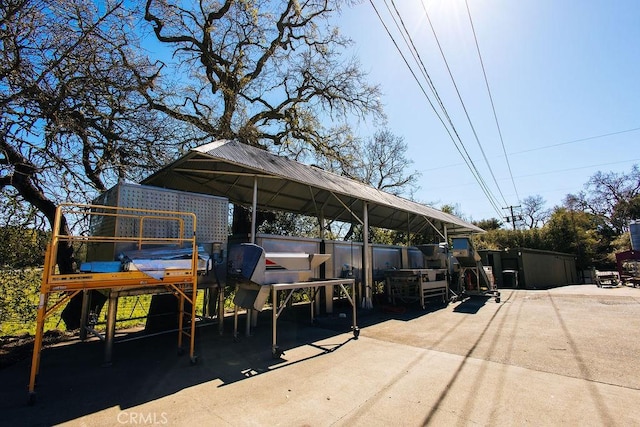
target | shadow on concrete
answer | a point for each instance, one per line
(475, 302)
(471, 305)
(380, 313)
(606, 418)
(72, 382)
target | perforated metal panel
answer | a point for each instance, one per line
(211, 216)
(143, 197)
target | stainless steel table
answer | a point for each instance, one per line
(314, 285)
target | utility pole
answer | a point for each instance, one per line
(513, 217)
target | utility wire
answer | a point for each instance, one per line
(564, 170)
(493, 108)
(576, 140)
(464, 107)
(418, 59)
(544, 147)
(478, 179)
(465, 156)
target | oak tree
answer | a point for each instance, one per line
(267, 73)
(72, 118)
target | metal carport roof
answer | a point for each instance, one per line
(235, 170)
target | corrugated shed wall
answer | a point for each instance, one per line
(547, 269)
(536, 269)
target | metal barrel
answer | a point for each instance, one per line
(634, 231)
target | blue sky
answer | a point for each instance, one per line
(560, 74)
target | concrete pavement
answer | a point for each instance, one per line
(566, 356)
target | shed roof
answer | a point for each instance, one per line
(228, 168)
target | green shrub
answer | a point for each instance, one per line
(19, 300)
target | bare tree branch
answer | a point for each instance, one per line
(272, 69)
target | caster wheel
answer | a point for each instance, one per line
(276, 353)
(498, 299)
(193, 361)
(236, 339)
(180, 351)
(356, 332)
(32, 399)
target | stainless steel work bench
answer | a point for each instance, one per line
(313, 286)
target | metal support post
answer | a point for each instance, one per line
(274, 322)
(86, 303)
(221, 310)
(112, 313)
(180, 321)
(247, 328)
(37, 347)
(235, 322)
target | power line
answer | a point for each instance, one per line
(565, 170)
(579, 168)
(464, 107)
(459, 145)
(544, 147)
(467, 159)
(493, 108)
(577, 140)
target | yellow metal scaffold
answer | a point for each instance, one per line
(181, 281)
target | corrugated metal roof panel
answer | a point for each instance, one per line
(228, 168)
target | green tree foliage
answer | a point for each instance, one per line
(289, 224)
(534, 238)
(592, 224)
(22, 247)
(453, 209)
(497, 239)
(626, 210)
(488, 224)
(574, 232)
(18, 299)
(619, 244)
(567, 231)
(610, 200)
